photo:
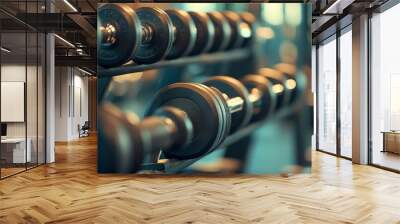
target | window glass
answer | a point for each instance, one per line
(15, 149)
(327, 96)
(346, 94)
(385, 85)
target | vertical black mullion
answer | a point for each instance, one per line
(60, 88)
(26, 86)
(69, 93)
(73, 92)
(0, 92)
(317, 97)
(338, 98)
(37, 89)
(45, 95)
(369, 94)
(45, 87)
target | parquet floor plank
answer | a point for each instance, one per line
(71, 191)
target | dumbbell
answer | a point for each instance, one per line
(185, 121)
(188, 120)
(223, 31)
(287, 83)
(248, 32)
(239, 29)
(279, 86)
(205, 33)
(145, 35)
(296, 81)
(256, 93)
(263, 94)
(185, 33)
(233, 30)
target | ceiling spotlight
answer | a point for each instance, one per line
(70, 5)
(84, 71)
(5, 49)
(65, 41)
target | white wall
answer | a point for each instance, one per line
(16, 73)
(33, 127)
(71, 102)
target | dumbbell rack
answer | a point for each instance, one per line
(204, 59)
(157, 165)
(105, 74)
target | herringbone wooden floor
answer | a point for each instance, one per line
(70, 191)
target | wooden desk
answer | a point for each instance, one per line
(391, 141)
(13, 150)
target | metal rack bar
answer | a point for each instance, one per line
(219, 57)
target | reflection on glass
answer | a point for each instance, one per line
(327, 96)
(385, 85)
(346, 94)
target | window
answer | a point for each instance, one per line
(327, 96)
(346, 93)
(385, 89)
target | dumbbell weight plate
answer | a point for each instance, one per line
(278, 80)
(267, 102)
(250, 20)
(162, 35)
(204, 111)
(182, 123)
(185, 33)
(296, 82)
(123, 138)
(234, 88)
(301, 85)
(224, 110)
(205, 33)
(234, 20)
(223, 31)
(128, 34)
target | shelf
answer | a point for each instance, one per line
(219, 57)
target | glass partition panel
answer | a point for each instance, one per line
(346, 94)
(15, 150)
(327, 96)
(22, 88)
